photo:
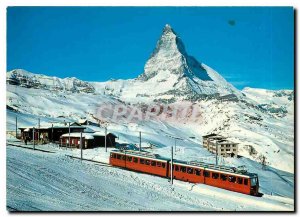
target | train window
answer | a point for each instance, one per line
(240, 180)
(223, 177)
(118, 156)
(135, 160)
(111, 155)
(215, 175)
(176, 168)
(183, 169)
(245, 181)
(153, 163)
(147, 162)
(231, 178)
(206, 174)
(159, 164)
(190, 171)
(142, 161)
(197, 172)
(129, 159)
(253, 181)
(163, 165)
(123, 157)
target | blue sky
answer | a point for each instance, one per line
(100, 43)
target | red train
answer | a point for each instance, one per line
(195, 172)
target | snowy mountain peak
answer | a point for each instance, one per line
(170, 64)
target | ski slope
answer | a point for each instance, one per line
(38, 181)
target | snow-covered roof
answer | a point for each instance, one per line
(81, 121)
(101, 132)
(85, 135)
(89, 129)
(49, 125)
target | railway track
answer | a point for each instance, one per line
(89, 160)
(36, 149)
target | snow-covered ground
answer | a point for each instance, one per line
(38, 181)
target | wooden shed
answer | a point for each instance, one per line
(49, 132)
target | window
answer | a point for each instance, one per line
(135, 160)
(112, 155)
(190, 171)
(231, 178)
(163, 165)
(118, 156)
(245, 181)
(129, 159)
(176, 168)
(223, 177)
(206, 174)
(123, 157)
(215, 175)
(148, 162)
(142, 161)
(240, 180)
(183, 169)
(153, 163)
(159, 164)
(253, 181)
(197, 172)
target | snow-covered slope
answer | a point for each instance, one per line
(275, 101)
(259, 130)
(38, 81)
(39, 181)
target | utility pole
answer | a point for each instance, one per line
(140, 147)
(69, 136)
(105, 139)
(16, 126)
(175, 145)
(216, 153)
(33, 138)
(171, 169)
(39, 130)
(81, 145)
(52, 133)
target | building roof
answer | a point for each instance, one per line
(77, 135)
(101, 132)
(90, 134)
(60, 125)
(210, 135)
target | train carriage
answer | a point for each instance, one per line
(139, 161)
(228, 178)
(218, 176)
